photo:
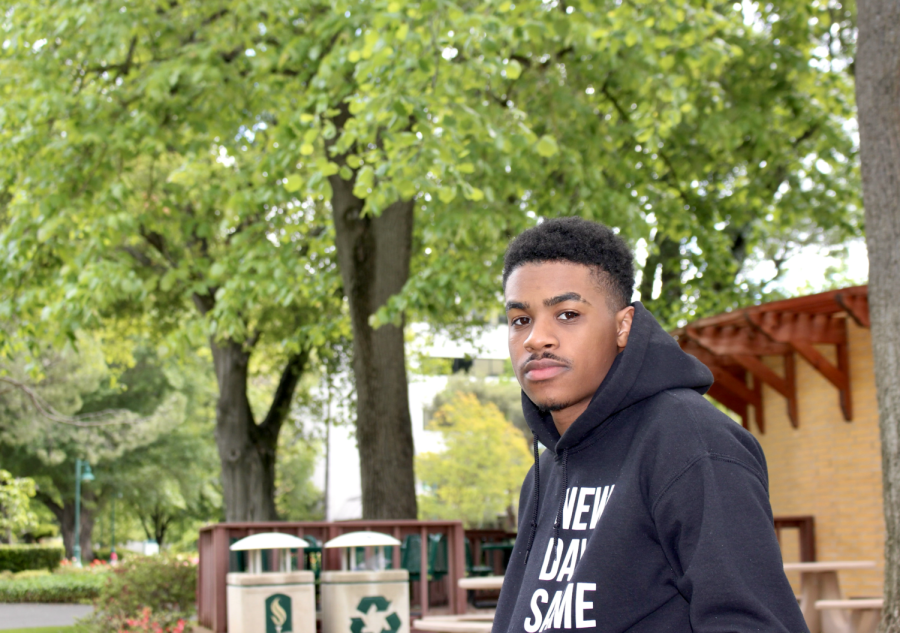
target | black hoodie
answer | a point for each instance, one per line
(664, 516)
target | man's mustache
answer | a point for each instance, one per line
(547, 356)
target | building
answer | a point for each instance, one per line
(799, 375)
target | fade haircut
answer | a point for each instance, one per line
(577, 241)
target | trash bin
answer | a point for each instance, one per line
(282, 601)
(366, 596)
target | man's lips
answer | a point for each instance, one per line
(538, 370)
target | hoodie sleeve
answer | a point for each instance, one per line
(715, 526)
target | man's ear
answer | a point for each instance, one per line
(624, 317)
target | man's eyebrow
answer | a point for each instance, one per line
(516, 305)
(569, 296)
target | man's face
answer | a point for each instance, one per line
(563, 336)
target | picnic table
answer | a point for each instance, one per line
(471, 623)
(819, 583)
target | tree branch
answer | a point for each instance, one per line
(48, 501)
(284, 393)
(87, 420)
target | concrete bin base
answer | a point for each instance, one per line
(377, 601)
(271, 602)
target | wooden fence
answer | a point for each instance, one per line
(216, 560)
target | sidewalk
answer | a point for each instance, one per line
(20, 616)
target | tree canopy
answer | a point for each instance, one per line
(206, 168)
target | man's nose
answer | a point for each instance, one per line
(541, 337)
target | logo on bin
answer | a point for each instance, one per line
(376, 618)
(278, 614)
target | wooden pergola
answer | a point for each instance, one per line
(733, 345)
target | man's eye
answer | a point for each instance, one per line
(519, 321)
(568, 315)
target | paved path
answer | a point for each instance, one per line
(20, 616)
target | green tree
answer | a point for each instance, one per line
(145, 188)
(181, 139)
(438, 130)
(15, 504)
(140, 434)
(296, 496)
(505, 394)
(479, 474)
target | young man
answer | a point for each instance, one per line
(649, 510)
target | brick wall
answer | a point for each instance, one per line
(830, 468)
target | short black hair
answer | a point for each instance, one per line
(578, 241)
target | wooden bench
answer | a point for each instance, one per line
(856, 615)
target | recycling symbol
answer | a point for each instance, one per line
(375, 618)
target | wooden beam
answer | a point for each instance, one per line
(758, 409)
(837, 329)
(735, 386)
(788, 327)
(759, 369)
(786, 386)
(857, 306)
(731, 401)
(790, 376)
(734, 340)
(843, 358)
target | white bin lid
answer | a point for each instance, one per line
(269, 540)
(362, 539)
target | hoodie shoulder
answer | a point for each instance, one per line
(679, 427)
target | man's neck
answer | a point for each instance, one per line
(563, 419)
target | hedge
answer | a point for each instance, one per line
(21, 557)
(71, 588)
(103, 553)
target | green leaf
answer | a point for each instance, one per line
(293, 183)
(547, 146)
(513, 69)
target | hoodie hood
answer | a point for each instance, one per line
(651, 362)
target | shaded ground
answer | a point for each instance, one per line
(21, 616)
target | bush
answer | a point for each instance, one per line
(31, 573)
(21, 557)
(165, 585)
(103, 553)
(69, 588)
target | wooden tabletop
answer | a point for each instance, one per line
(483, 582)
(440, 625)
(835, 565)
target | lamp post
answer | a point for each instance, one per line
(82, 472)
(113, 557)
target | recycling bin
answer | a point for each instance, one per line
(368, 599)
(282, 601)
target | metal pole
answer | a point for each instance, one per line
(113, 557)
(76, 550)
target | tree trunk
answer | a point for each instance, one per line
(247, 450)
(65, 517)
(374, 255)
(878, 101)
